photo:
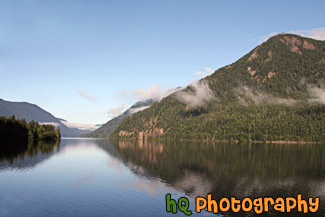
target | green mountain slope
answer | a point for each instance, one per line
(275, 92)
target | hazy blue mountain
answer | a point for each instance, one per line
(30, 112)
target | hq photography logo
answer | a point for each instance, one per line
(257, 205)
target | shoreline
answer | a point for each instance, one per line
(224, 141)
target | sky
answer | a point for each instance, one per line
(87, 61)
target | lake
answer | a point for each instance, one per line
(96, 177)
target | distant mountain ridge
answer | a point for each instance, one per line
(30, 112)
(106, 129)
(275, 92)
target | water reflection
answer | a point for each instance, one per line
(81, 177)
(227, 170)
(27, 155)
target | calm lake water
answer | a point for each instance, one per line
(89, 177)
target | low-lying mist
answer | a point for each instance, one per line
(199, 96)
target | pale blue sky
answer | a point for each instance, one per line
(53, 52)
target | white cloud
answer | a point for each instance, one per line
(50, 123)
(87, 97)
(153, 92)
(157, 92)
(200, 96)
(201, 74)
(317, 94)
(80, 126)
(244, 93)
(266, 37)
(317, 33)
(113, 112)
(135, 110)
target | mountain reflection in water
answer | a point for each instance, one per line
(96, 177)
(232, 170)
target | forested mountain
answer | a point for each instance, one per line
(275, 92)
(106, 129)
(29, 112)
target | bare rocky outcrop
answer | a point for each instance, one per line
(152, 131)
(251, 71)
(124, 133)
(308, 45)
(271, 74)
(293, 44)
(253, 56)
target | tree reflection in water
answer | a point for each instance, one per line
(232, 170)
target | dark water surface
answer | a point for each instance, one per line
(89, 177)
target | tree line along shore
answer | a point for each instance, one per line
(18, 130)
